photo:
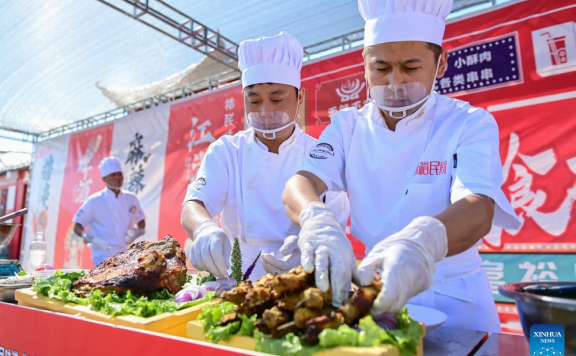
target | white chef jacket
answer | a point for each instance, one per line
(449, 151)
(241, 180)
(109, 217)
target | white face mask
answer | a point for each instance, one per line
(400, 98)
(268, 123)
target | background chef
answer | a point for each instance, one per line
(423, 172)
(113, 216)
(242, 176)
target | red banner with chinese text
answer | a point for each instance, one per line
(519, 63)
(194, 124)
(81, 179)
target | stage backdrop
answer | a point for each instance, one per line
(517, 61)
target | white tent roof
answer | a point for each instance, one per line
(56, 51)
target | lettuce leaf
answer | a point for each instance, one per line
(289, 345)
(406, 337)
(211, 315)
(408, 333)
(343, 336)
(225, 332)
(247, 327)
(59, 285)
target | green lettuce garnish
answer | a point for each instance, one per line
(59, 285)
(406, 337)
(211, 315)
(343, 336)
(289, 345)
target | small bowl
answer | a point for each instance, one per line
(545, 303)
(6, 233)
(7, 291)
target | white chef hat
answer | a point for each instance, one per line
(109, 165)
(275, 59)
(404, 20)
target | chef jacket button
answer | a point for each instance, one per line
(249, 227)
(389, 226)
(410, 174)
(249, 186)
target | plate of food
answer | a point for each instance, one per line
(140, 287)
(287, 314)
(432, 318)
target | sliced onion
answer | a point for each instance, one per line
(190, 294)
(386, 321)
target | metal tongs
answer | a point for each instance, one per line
(13, 215)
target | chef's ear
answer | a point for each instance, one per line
(300, 96)
(443, 67)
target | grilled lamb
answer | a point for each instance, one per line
(142, 269)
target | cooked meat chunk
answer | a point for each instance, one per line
(143, 268)
(312, 298)
(274, 317)
(302, 315)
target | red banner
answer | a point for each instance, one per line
(518, 62)
(194, 125)
(81, 179)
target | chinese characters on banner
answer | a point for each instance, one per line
(81, 179)
(539, 178)
(137, 158)
(482, 66)
(194, 124)
(503, 268)
(45, 190)
(140, 143)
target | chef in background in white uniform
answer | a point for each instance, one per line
(113, 216)
(423, 173)
(242, 177)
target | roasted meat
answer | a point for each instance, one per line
(237, 295)
(359, 304)
(312, 298)
(274, 317)
(315, 326)
(143, 268)
(302, 315)
(294, 280)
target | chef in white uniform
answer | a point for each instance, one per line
(113, 216)
(242, 177)
(423, 173)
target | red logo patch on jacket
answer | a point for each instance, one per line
(431, 168)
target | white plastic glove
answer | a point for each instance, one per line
(133, 234)
(87, 237)
(283, 260)
(327, 251)
(406, 259)
(210, 249)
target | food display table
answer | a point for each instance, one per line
(36, 332)
(504, 345)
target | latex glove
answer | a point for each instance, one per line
(133, 234)
(210, 249)
(327, 251)
(406, 259)
(283, 260)
(87, 237)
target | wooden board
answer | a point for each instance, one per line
(167, 323)
(195, 330)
